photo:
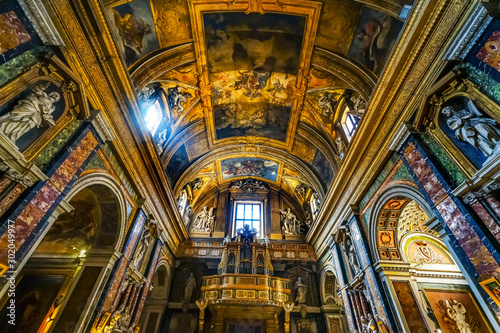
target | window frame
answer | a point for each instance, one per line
(260, 231)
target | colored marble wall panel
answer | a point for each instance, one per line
(427, 178)
(410, 308)
(487, 219)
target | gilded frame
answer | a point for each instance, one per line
(459, 87)
(311, 10)
(55, 71)
(485, 283)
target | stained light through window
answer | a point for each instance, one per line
(153, 117)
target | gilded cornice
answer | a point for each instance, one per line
(414, 65)
(158, 64)
(360, 79)
(94, 56)
(391, 7)
(286, 159)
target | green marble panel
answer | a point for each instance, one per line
(43, 159)
(96, 163)
(402, 174)
(456, 176)
(15, 67)
(483, 81)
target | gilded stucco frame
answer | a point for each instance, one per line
(310, 10)
(53, 70)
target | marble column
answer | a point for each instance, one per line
(354, 308)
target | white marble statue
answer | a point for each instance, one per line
(301, 291)
(473, 128)
(290, 223)
(189, 287)
(31, 112)
(141, 248)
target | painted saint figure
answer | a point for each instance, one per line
(471, 127)
(31, 112)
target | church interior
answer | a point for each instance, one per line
(250, 166)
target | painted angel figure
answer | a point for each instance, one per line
(31, 112)
(471, 127)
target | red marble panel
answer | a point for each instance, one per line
(494, 204)
(4, 182)
(36, 209)
(136, 233)
(144, 292)
(487, 219)
(9, 199)
(476, 251)
(427, 178)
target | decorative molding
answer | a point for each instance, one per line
(101, 125)
(472, 27)
(397, 140)
(41, 21)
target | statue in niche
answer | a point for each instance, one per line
(160, 143)
(31, 112)
(204, 220)
(327, 104)
(177, 99)
(317, 202)
(199, 221)
(368, 324)
(290, 223)
(357, 106)
(341, 147)
(472, 127)
(303, 324)
(142, 248)
(189, 287)
(351, 256)
(149, 95)
(457, 312)
(301, 291)
(187, 214)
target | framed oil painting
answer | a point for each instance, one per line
(492, 287)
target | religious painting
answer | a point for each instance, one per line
(93, 223)
(34, 297)
(17, 35)
(492, 287)
(374, 39)
(177, 164)
(184, 73)
(253, 60)
(303, 149)
(319, 78)
(485, 54)
(251, 167)
(134, 29)
(321, 165)
(325, 102)
(27, 116)
(455, 310)
(172, 23)
(337, 25)
(411, 311)
(197, 146)
(470, 129)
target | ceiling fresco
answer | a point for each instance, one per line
(249, 167)
(252, 88)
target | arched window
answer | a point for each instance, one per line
(153, 117)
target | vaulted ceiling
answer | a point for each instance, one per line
(243, 84)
